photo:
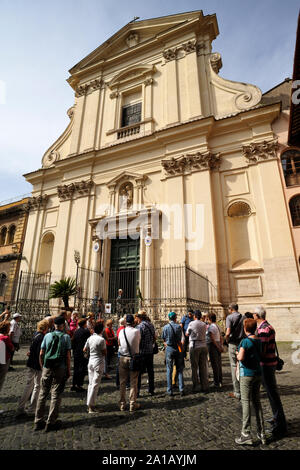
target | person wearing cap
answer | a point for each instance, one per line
(196, 332)
(14, 334)
(184, 323)
(132, 336)
(53, 379)
(172, 337)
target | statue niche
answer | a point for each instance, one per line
(125, 196)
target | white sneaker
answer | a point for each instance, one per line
(1, 411)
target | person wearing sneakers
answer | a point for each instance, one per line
(95, 347)
(249, 357)
(234, 334)
(32, 388)
(55, 361)
(132, 337)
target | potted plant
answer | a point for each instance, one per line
(63, 289)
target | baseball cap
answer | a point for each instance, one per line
(16, 315)
(172, 315)
(129, 319)
(59, 321)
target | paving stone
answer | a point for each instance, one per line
(193, 422)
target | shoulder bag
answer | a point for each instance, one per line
(137, 360)
(280, 362)
(178, 345)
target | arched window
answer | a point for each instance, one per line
(3, 280)
(295, 210)
(46, 252)
(290, 161)
(3, 236)
(11, 234)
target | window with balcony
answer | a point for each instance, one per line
(295, 210)
(131, 114)
(290, 161)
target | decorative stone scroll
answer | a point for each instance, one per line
(36, 202)
(260, 151)
(191, 163)
(67, 191)
(89, 87)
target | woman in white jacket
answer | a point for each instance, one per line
(95, 347)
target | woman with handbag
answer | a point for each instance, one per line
(129, 347)
(249, 357)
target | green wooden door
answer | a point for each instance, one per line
(124, 267)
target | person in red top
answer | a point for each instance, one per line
(4, 337)
(110, 341)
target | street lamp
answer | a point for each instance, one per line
(77, 261)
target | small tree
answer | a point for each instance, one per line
(63, 290)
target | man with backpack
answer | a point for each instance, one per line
(172, 337)
(234, 335)
(55, 360)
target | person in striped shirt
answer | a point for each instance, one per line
(266, 333)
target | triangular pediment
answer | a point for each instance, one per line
(124, 176)
(138, 33)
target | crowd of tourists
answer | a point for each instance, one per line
(91, 342)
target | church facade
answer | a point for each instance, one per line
(166, 164)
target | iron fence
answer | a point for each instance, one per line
(32, 300)
(158, 290)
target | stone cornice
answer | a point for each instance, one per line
(89, 87)
(36, 202)
(260, 151)
(190, 163)
(68, 191)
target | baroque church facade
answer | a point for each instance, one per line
(165, 163)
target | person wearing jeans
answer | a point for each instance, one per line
(172, 337)
(53, 379)
(196, 332)
(96, 348)
(266, 334)
(214, 344)
(249, 355)
(234, 334)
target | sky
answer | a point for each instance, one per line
(41, 40)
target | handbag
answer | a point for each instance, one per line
(280, 362)
(136, 360)
(179, 347)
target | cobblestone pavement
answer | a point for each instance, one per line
(192, 422)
